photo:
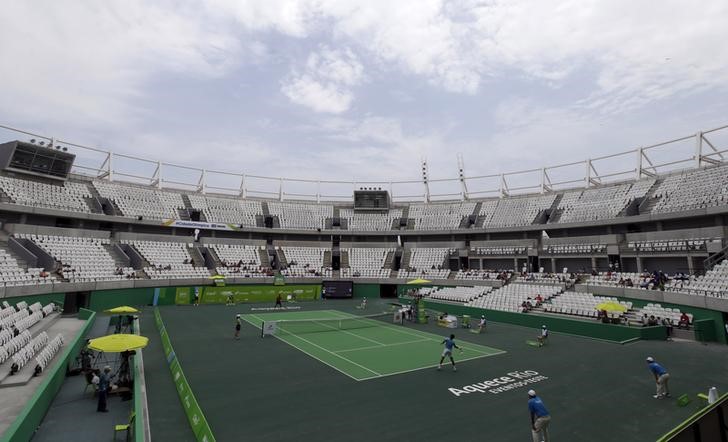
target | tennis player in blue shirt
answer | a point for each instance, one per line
(540, 418)
(447, 351)
(661, 378)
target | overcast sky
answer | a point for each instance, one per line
(345, 89)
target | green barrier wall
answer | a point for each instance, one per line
(106, 299)
(370, 291)
(259, 293)
(197, 420)
(30, 418)
(595, 330)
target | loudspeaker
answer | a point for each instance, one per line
(403, 222)
(471, 219)
(195, 215)
(268, 222)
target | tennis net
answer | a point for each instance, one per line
(302, 326)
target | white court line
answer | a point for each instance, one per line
(430, 366)
(380, 346)
(327, 351)
(424, 335)
(351, 333)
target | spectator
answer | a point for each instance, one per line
(652, 321)
(667, 322)
(104, 387)
(684, 321)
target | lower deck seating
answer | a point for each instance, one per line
(511, 297)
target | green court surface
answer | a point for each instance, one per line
(265, 390)
(371, 349)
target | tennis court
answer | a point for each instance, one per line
(364, 348)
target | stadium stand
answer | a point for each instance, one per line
(476, 274)
(305, 262)
(426, 262)
(692, 189)
(454, 294)
(600, 203)
(581, 304)
(46, 355)
(136, 201)
(676, 245)
(511, 298)
(227, 210)
(367, 263)
(12, 274)
(67, 196)
(713, 283)
(440, 216)
(239, 260)
(370, 221)
(499, 250)
(81, 259)
(301, 216)
(168, 260)
(575, 249)
(514, 211)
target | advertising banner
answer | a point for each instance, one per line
(259, 293)
(200, 225)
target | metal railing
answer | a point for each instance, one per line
(692, 151)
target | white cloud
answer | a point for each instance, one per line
(327, 81)
(89, 64)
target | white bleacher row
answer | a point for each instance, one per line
(575, 249)
(713, 283)
(14, 345)
(134, 201)
(499, 250)
(305, 262)
(6, 335)
(301, 216)
(28, 321)
(478, 274)
(370, 221)
(239, 260)
(25, 354)
(602, 202)
(67, 196)
(426, 262)
(367, 262)
(11, 273)
(454, 294)
(510, 297)
(48, 309)
(35, 307)
(227, 210)
(167, 260)
(581, 304)
(545, 277)
(672, 245)
(8, 321)
(514, 211)
(692, 189)
(440, 216)
(658, 311)
(82, 259)
(48, 352)
(612, 279)
(7, 311)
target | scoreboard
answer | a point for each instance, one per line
(371, 200)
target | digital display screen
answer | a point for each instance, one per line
(337, 289)
(371, 200)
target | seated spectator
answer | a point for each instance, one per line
(652, 321)
(629, 283)
(684, 321)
